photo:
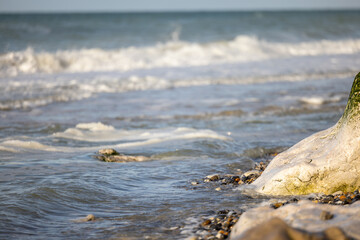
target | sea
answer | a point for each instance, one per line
(197, 93)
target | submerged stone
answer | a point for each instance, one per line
(111, 155)
(108, 151)
(326, 162)
(88, 218)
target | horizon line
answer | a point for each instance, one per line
(178, 11)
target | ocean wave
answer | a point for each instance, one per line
(170, 54)
(28, 93)
(121, 139)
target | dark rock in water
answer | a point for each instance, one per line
(111, 155)
(108, 151)
(277, 229)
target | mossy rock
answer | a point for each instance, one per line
(325, 162)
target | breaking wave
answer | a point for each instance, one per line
(120, 139)
(174, 53)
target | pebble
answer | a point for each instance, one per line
(325, 215)
(256, 173)
(233, 180)
(211, 178)
(88, 218)
(338, 198)
(337, 193)
(219, 226)
(206, 222)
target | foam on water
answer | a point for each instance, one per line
(243, 48)
(318, 100)
(98, 132)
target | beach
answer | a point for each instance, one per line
(179, 96)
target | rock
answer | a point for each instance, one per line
(124, 158)
(277, 229)
(325, 215)
(219, 235)
(337, 193)
(325, 162)
(303, 215)
(211, 178)
(192, 238)
(110, 155)
(254, 173)
(206, 222)
(277, 205)
(108, 151)
(88, 218)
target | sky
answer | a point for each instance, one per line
(170, 5)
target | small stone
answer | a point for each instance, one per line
(194, 183)
(218, 189)
(337, 193)
(342, 198)
(226, 225)
(108, 151)
(223, 232)
(192, 238)
(214, 177)
(255, 173)
(90, 217)
(327, 199)
(206, 222)
(277, 205)
(219, 235)
(223, 212)
(325, 215)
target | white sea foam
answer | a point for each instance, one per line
(320, 100)
(169, 65)
(19, 144)
(95, 127)
(24, 93)
(98, 132)
(122, 139)
(170, 54)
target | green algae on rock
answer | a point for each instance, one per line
(325, 162)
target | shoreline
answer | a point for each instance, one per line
(227, 224)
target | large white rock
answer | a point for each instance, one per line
(303, 215)
(325, 162)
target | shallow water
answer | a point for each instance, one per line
(196, 98)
